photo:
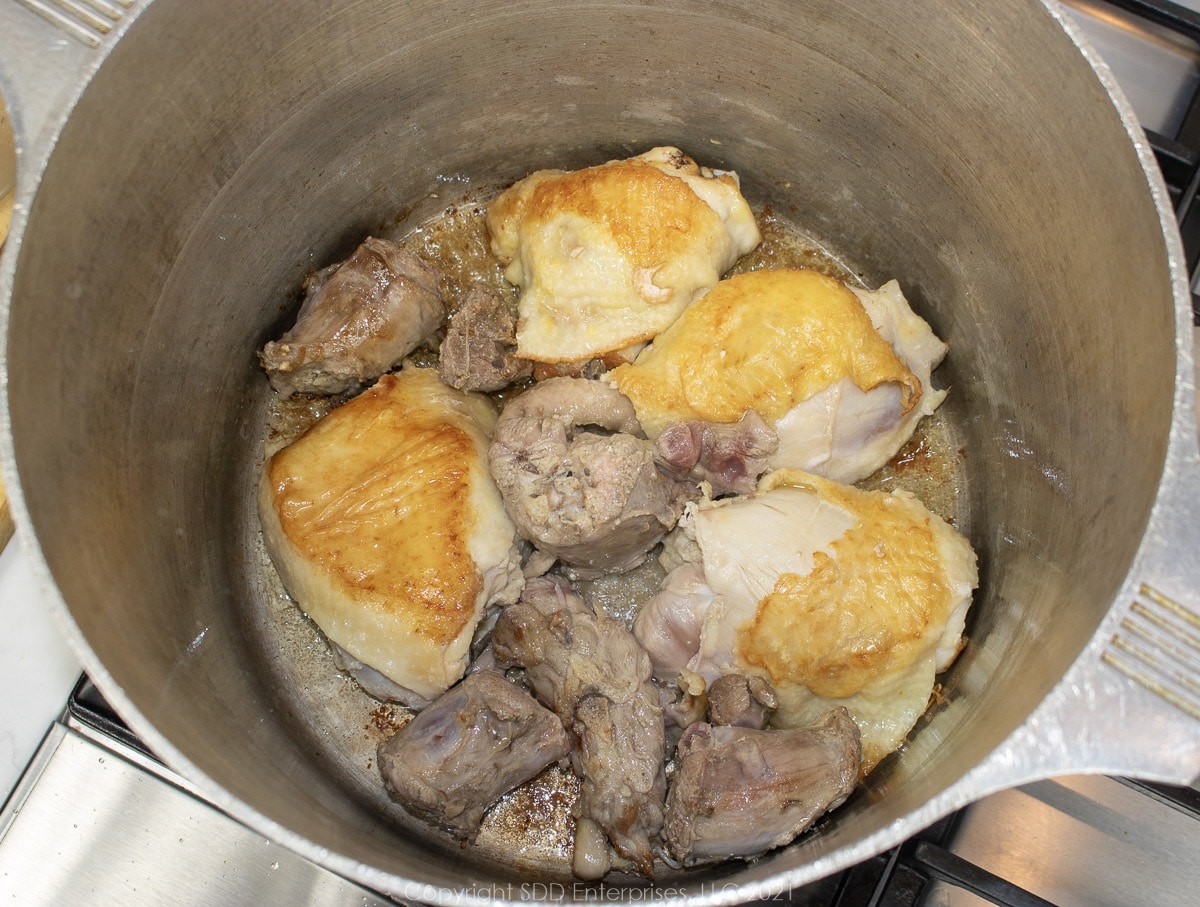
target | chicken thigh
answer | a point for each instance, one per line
(842, 376)
(836, 596)
(385, 526)
(608, 256)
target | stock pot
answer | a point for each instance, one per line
(182, 165)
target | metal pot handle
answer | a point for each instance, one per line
(1130, 705)
(48, 53)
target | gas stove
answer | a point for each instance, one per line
(91, 816)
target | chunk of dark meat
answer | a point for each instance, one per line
(591, 671)
(729, 457)
(359, 319)
(595, 500)
(479, 352)
(669, 624)
(473, 744)
(582, 368)
(739, 792)
(739, 700)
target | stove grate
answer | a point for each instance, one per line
(1178, 155)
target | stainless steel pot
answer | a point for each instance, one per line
(177, 179)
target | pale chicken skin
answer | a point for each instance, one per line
(385, 526)
(836, 596)
(841, 376)
(608, 256)
(670, 624)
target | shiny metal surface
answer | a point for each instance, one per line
(169, 208)
(1157, 69)
(95, 822)
(1085, 841)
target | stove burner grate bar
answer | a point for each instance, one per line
(1179, 155)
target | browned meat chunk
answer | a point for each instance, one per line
(740, 701)
(359, 318)
(479, 352)
(739, 792)
(594, 500)
(469, 747)
(591, 671)
(729, 457)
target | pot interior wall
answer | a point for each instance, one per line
(225, 149)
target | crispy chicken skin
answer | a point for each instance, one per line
(608, 256)
(387, 529)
